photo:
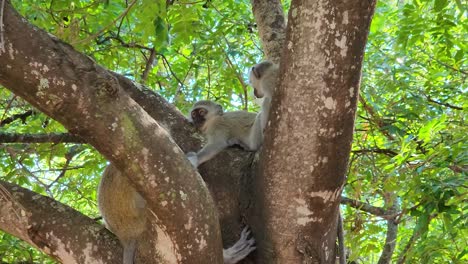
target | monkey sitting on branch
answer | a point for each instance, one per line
(224, 129)
(124, 211)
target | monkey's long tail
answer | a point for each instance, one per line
(129, 251)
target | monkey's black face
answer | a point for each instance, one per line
(199, 116)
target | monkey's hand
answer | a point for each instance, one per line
(193, 158)
(240, 249)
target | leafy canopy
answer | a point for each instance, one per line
(409, 153)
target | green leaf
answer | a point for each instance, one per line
(440, 4)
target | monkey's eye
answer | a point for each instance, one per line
(202, 112)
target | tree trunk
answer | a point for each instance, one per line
(83, 96)
(271, 26)
(306, 149)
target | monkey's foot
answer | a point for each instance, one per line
(240, 249)
(192, 157)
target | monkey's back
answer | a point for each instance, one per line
(122, 208)
(239, 122)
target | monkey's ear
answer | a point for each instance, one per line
(219, 109)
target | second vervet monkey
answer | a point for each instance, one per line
(224, 129)
(264, 78)
(124, 211)
(221, 129)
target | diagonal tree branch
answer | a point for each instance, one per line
(54, 227)
(83, 96)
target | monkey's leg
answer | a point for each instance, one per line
(240, 249)
(255, 138)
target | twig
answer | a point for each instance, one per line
(124, 13)
(241, 81)
(377, 211)
(444, 104)
(8, 106)
(69, 156)
(388, 152)
(149, 66)
(166, 63)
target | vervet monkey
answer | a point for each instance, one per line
(264, 78)
(124, 212)
(224, 129)
(221, 129)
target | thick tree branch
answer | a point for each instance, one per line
(54, 228)
(306, 149)
(83, 96)
(271, 26)
(40, 138)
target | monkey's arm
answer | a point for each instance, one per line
(207, 152)
(265, 113)
(258, 128)
(256, 134)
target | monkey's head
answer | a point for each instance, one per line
(204, 110)
(258, 73)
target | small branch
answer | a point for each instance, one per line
(375, 118)
(388, 152)
(166, 63)
(149, 66)
(124, 13)
(441, 62)
(241, 81)
(40, 138)
(444, 104)
(123, 43)
(21, 116)
(377, 211)
(69, 156)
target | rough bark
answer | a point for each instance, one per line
(82, 96)
(54, 228)
(271, 27)
(307, 145)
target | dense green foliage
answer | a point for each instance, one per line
(409, 155)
